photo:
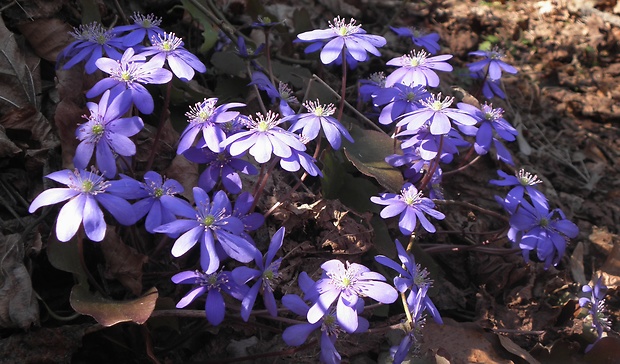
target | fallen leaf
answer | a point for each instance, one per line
(576, 265)
(37, 130)
(122, 262)
(48, 37)
(516, 349)
(186, 173)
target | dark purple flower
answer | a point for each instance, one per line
(220, 167)
(207, 119)
(107, 134)
(265, 275)
(428, 143)
(369, 88)
(490, 87)
(319, 118)
(85, 192)
(523, 182)
(340, 36)
(210, 220)
(537, 228)
(249, 53)
(283, 94)
(398, 100)
(491, 120)
(92, 42)
(417, 69)
(300, 159)
(263, 138)
(143, 27)
(157, 200)
(429, 41)
(212, 285)
(411, 206)
(251, 220)
(265, 22)
(596, 308)
(127, 76)
(169, 48)
(492, 65)
(438, 113)
(347, 284)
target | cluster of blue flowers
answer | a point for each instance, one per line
(220, 136)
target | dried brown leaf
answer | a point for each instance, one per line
(122, 262)
(186, 173)
(32, 123)
(18, 304)
(7, 147)
(516, 349)
(48, 37)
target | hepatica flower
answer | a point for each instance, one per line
(208, 119)
(438, 113)
(319, 118)
(398, 100)
(346, 284)
(212, 285)
(85, 192)
(412, 208)
(492, 64)
(143, 27)
(169, 48)
(595, 304)
(265, 275)
(106, 134)
(490, 120)
(428, 41)
(263, 138)
(342, 37)
(523, 182)
(92, 42)
(127, 76)
(416, 68)
(208, 222)
(283, 93)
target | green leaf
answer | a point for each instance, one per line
(209, 34)
(368, 154)
(110, 312)
(65, 257)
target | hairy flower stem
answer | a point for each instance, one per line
(434, 164)
(343, 88)
(262, 182)
(462, 168)
(479, 89)
(165, 113)
(80, 248)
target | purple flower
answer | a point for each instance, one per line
(596, 308)
(85, 192)
(264, 138)
(210, 220)
(537, 228)
(92, 42)
(428, 41)
(157, 200)
(347, 284)
(300, 159)
(248, 53)
(523, 182)
(417, 69)
(296, 335)
(107, 134)
(428, 143)
(340, 36)
(168, 47)
(371, 87)
(493, 60)
(398, 100)
(127, 76)
(438, 113)
(283, 93)
(412, 329)
(220, 167)
(411, 206)
(490, 120)
(144, 27)
(319, 118)
(265, 275)
(490, 87)
(205, 117)
(212, 285)
(251, 220)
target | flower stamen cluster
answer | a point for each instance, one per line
(320, 110)
(343, 29)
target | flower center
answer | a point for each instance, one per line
(87, 186)
(158, 192)
(527, 179)
(544, 222)
(169, 42)
(93, 184)
(411, 196)
(320, 110)
(435, 103)
(202, 111)
(97, 129)
(264, 123)
(148, 21)
(342, 29)
(208, 220)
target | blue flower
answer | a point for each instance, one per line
(265, 275)
(143, 27)
(492, 65)
(523, 182)
(491, 120)
(85, 192)
(212, 285)
(490, 87)
(283, 93)
(210, 220)
(169, 48)
(595, 304)
(319, 118)
(398, 100)
(342, 37)
(411, 206)
(92, 42)
(347, 284)
(127, 76)
(417, 69)
(429, 41)
(106, 134)
(300, 159)
(263, 138)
